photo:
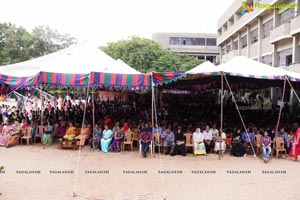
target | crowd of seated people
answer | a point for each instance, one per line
(196, 114)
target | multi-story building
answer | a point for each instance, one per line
(270, 36)
(200, 45)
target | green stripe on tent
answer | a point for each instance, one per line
(129, 80)
(107, 79)
(68, 79)
(86, 79)
(49, 77)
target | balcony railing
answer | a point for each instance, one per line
(295, 25)
(281, 32)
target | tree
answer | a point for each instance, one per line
(146, 55)
(17, 44)
(47, 40)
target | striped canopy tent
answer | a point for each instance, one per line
(240, 71)
(77, 66)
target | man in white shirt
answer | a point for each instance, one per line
(215, 135)
(207, 138)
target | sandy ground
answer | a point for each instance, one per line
(218, 184)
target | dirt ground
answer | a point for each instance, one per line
(32, 173)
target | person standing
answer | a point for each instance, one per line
(266, 146)
(295, 150)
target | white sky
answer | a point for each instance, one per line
(103, 21)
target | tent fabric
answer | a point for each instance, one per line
(121, 80)
(81, 58)
(14, 82)
(204, 68)
(166, 77)
(62, 79)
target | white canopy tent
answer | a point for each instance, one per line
(81, 58)
(246, 67)
(204, 67)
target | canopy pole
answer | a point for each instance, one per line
(152, 108)
(282, 98)
(93, 110)
(221, 118)
(42, 112)
(295, 93)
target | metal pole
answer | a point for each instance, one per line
(42, 108)
(93, 108)
(152, 108)
(282, 98)
(221, 118)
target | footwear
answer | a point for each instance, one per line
(245, 155)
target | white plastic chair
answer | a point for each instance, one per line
(150, 147)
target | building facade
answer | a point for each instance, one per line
(270, 36)
(200, 45)
(264, 30)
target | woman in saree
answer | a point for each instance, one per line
(5, 132)
(199, 147)
(85, 134)
(107, 136)
(71, 132)
(48, 134)
(14, 136)
(62, 128)
(118, 140)
(295, 151)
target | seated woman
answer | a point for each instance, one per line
(222, 141)
(179, 143)
(71, 132)
(14, 136)
(237, 146)
(5, 132)
(199, 146)
(118, 140)
(62, 128)
(107, 136)
(48, 134)
(85, 134)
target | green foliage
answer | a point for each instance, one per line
(146, 55)
(17, 44)
(1, 168)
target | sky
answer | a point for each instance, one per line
(104, 21)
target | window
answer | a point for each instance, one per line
(211, 58)
(199, 41)
(174, 41)
(193, 41)
(201, 57)
(289, 60)
(186, 41)
(228, 48)
(254, 35)
(286, 17)
(244, 41)
(223, 50)
(285, 57)
(268, 26)
(267, 60)
(211, 41)
(235, 45)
